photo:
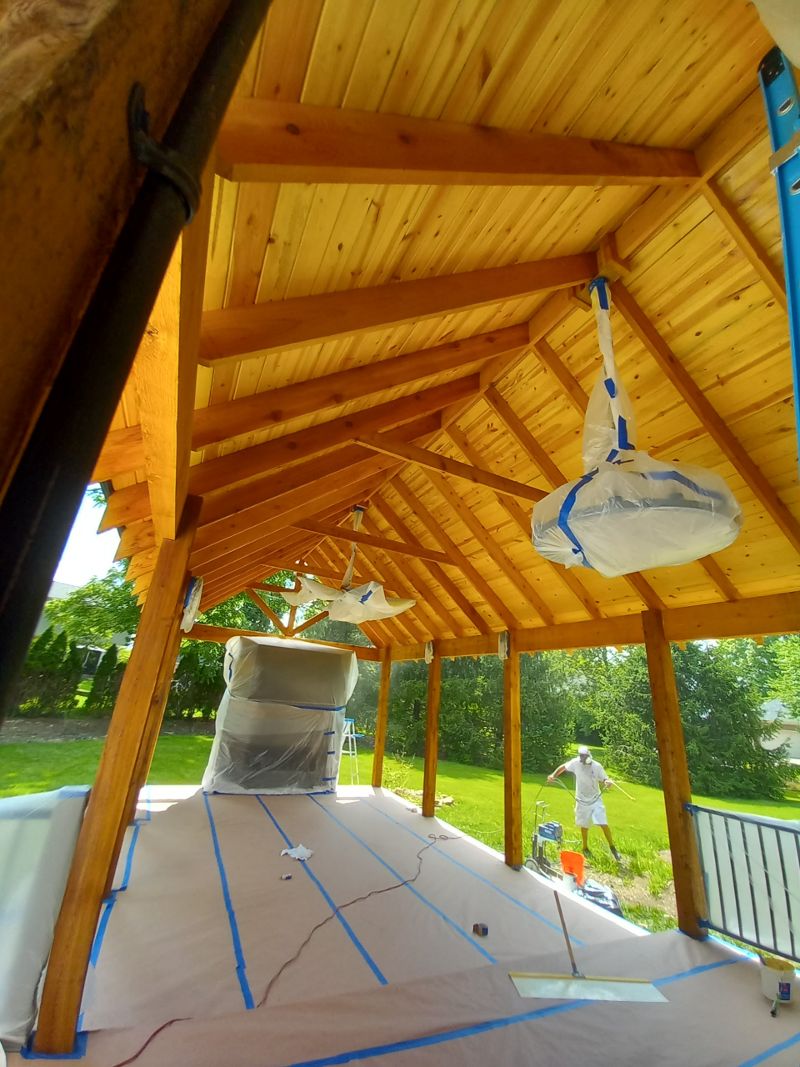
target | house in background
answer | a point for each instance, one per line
(789, 728)
(58, 590)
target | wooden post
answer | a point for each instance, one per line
(689, 892)
(432, 733)
(94, 852)
(147, 747)
(382, 719)
(512, 754)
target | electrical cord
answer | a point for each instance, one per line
(434, 838)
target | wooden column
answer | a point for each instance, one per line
(382, 719)
(689, 892)
(512, 754)
(147, 747)
(94, 852)
(432, 733)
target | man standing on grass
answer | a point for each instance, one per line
(589, 807)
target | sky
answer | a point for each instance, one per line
(87, 554)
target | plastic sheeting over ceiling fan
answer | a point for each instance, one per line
(362, 603)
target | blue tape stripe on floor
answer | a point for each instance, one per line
(241, 966)
(462, 1032)
(78, 1050)
(480, 877)
(108, 907)
(410, 888)
(329, 900)
(770, 1052)
(126, 874)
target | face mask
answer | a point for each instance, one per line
(585, 760)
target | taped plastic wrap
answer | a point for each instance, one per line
(280, 722)
(361, 604)
(37, 840)
(630, 512)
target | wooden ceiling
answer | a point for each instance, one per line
(393, 305)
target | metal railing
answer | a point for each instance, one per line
(751, 869)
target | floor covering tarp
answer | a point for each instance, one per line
(205, 921)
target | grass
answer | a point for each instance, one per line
(639, 825)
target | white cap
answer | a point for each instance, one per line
(583, 751)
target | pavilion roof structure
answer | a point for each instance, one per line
(407, 206)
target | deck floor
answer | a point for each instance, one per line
(202, 922)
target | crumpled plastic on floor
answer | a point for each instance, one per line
(299, 852)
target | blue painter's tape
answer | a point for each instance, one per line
(241, 966)
(78, 1049)
(329, 900)
(566, 510)
(331, 752)
(329, 733)
(462, 1032)
(700, 969)
(319, 707)
(480, 877)
(681, 479)
(611, 387)
(69, 791)
(412, 889)
(126, 874)
(623, 441)
(600, 285)
(767, 1054)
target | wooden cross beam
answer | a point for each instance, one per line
(398, 548)
(233, 333)
(282, 141)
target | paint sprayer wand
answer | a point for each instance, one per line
(623, 791)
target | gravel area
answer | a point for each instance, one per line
(58, 728)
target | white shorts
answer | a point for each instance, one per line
(586, 814)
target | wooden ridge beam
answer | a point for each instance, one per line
(706, 413)
(281, 141)
(223, 634)
(423, 457)
(123, 449)
(222, 473)
(398, 548)
(234, 333)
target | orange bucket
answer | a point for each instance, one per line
(573, 863)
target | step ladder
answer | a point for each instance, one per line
(350, 747)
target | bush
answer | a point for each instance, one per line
(49, 677)
(105, 684)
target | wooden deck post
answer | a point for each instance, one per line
(432, 733)
(147, 747)
(382, 719)
(512, 754)
(94, 852)
(689, 892)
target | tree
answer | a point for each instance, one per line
(786, 684)
(105, 684)
(49, 676)
(721, 714)
(98, 611)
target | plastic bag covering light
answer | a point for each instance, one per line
(630, 512)
(362, 604)
(280, 722)
(37, 839)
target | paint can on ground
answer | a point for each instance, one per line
(777, 979)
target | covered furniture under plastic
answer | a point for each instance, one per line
(37, 839)
(280, 722)
(630, 512)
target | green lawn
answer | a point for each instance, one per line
(639, 825)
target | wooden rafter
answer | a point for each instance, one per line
(522, 519)
(283, 141)
(123, 449)
(457, 558)
(234, 333)
(747, 242)
(397, 548)
(709, 418)
(423, 457)
(439, 575)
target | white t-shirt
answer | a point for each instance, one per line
(587, 779)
